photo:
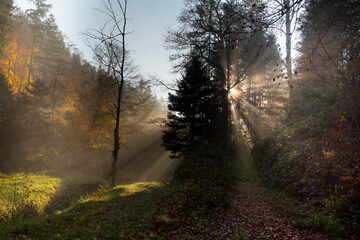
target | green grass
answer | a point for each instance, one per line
(30, 195)
(186, 209)
(126, 211)
(22, 194)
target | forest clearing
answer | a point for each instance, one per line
(181, 119)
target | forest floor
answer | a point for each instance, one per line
(255, 213)
(258, 212)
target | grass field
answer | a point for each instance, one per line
(30, 195)
(126, 211)
(26, 194)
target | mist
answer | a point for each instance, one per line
(255, 135)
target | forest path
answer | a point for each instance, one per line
(255, 214)
(259, 213)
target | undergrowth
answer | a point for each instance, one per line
(317, 161)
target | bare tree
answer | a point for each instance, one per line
(110, 51)
(286, 12)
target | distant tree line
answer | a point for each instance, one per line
(56, 109)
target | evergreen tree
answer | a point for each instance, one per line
(6, 7)
(193, 110)
(8, 130)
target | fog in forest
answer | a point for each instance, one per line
(250, 95)
(58, 109)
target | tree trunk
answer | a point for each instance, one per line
(23, 70)
(53, 105)
(114, 157)
(115, 152)
(228, 76)
(289, 70)
(30, 64)
(16, 60)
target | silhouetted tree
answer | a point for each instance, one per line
(193, 110)
(110, 51)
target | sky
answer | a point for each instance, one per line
(148, 19)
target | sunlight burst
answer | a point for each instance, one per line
(234, 93)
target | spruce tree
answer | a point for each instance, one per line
(193, 110)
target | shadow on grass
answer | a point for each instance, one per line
(124, 212)
(69, 194)
(73, 187)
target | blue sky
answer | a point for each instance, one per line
(148, 19)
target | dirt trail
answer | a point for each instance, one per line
(253, 216)
(252, 213)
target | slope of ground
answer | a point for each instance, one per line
(124, 212)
